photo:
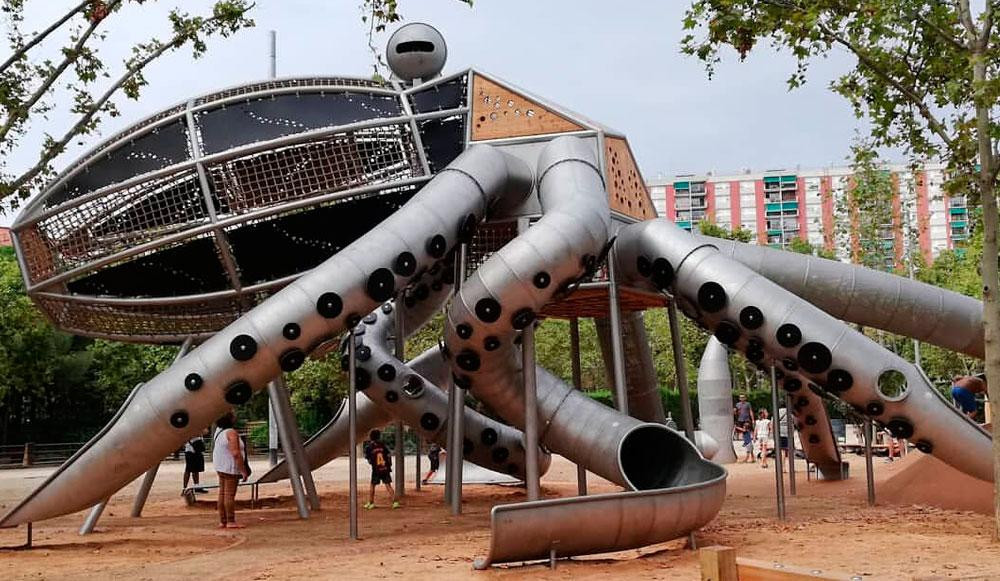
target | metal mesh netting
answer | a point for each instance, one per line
(111, 223)
(141, 322)
(360, 158)
(290, 83)
(489, 238)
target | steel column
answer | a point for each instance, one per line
(147, 481)
(779, 484)
(352, 415)
(790, 428)
(574, 348)
(530, 412)
(869, 468)
(416, 462)
(617, 349)
(300, 452)
(279, 399)
(93, 516)
(399, 343)
(680, 368)
(272, 434)
(456, 414)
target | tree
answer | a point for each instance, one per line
(802, 246)
(740, 234)
(926, 80)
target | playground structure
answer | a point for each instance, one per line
(264, 222)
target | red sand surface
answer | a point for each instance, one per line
(829, 527)
(925, 480)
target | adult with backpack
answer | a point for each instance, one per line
(194, 463)
(379, 457)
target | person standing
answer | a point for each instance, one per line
(379, 457)
(228, 459)
(194, 463)
(743, 411)
(762, 433)
(434, 456)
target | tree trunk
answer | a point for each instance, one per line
(991, 299)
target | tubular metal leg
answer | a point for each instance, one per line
(617, 349)
(530, 412)
(147, 484)
(352, 415)
(779, 484)
(574, 347)
(279, 398)
(790, 429)
(93, 516)
(457, 414)
(272, 434)
(680, 368)
(416, 463)
(869, 468)
(300, 452)
(399, 491)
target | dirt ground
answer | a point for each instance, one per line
(829, 527)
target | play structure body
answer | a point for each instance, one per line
(264, 222)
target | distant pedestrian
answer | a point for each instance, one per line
(743, 410)
(745, 431)
(229, 460)
(434, 455)
(963, 391)
(379, 457)
(762, 433)
(194, 462)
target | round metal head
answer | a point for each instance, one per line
(416, 51)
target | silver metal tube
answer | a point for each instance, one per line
(574, 348)
(273, 60)
(92, 517)
(417, 474)
(680, 367)
(530, 411)
(296, 444)
(617, 349)
(641, 386)
(869, 468)
(790, 428)
(279, 399)
(272, 435)
(456, 453)
(779, 485)
(715, 400)
(147, 483)
(352, 414)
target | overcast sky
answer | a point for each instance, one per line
(615, 62)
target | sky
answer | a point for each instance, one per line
(618, 63)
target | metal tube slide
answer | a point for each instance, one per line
(396, 388)
(502, 297)
(715, 400)
(277, 334)
(869, 297)
(812, 423)
(771, 325)
(644, 402)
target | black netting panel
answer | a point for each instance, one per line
(444, 140)
(277, 116)
(448, 95)
(296, 242)
(162, 147)
(187, 269)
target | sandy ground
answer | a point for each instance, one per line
(829, 527)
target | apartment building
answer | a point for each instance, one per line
(780, 206)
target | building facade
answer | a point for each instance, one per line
(5, 238)
(779, 206)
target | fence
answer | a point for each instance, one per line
(32, 454)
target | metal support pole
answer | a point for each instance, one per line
(399, 343)
(680, 367)
(617, 349)
(147, 482)
(352, 417)
(779, 484)
(530, 412)
(790, 428)
(869, 468)
(272, 434)
(416, 462)
(295, 443)
(457, 412)
(93, 516)
(574, 348)
(279, 399)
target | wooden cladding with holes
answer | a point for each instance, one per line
(626, 190)
(498, 112)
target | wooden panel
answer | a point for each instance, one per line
(718, 564)
(627, 191)
(753, 570)
(498, 112)
(594, 302)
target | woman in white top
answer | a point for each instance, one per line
(762, 433)
(227, 457)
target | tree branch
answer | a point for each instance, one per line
(940, 32)
(21, 113)
(932, 122)
(965, 16)
(42, 35)
(984, 36)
